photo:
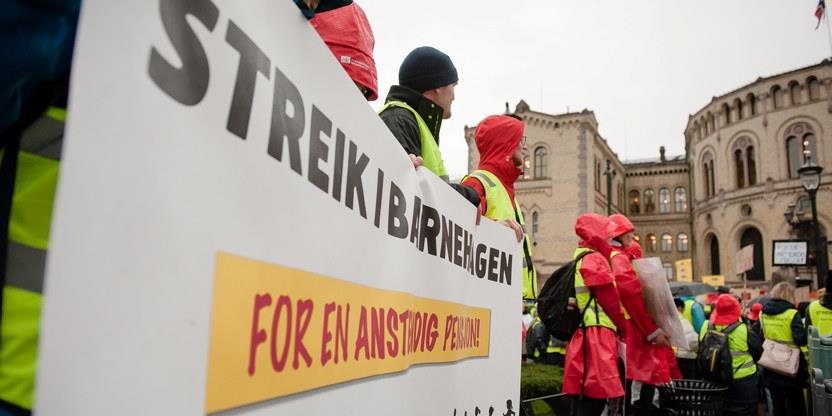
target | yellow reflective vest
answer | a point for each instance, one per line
(499, 207)
(821, 317)
(779, 328)
(37, 174)
(431, 156)
(594, 315)
(741, 360)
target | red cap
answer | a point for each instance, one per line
(619, 224)
(755, 311)
(348, 35)
(728, 310)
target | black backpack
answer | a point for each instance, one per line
(714, 355)
(557, 304)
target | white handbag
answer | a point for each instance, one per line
(780, 358)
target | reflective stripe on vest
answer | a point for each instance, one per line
(821, 318)
(431, 156)
(741, 361)
(499, 207)
(31, 214)
(583, 295)
(612, 255)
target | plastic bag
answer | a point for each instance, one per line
(659, 301)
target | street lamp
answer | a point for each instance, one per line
(610, 174)
(810, 178)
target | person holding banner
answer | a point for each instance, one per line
(499, 140)
(591, 374)
(415, 108)
(646, 365)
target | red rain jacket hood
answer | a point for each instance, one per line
(497, 138)
(347, 33)
(619, 224)
(592, 229)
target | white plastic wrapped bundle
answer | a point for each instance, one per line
(659, 301)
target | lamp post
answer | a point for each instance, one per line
(610, 174)
(810, 178)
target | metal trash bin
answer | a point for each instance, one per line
(818, 393)
(693, 397)
(820, 352)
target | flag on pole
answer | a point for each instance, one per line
(819, 11)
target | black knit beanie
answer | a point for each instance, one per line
(427, 68)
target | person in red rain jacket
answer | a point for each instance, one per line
(646, 359)
(591, 373)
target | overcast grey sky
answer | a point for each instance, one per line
(641, 66)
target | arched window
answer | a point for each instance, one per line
(540, 163)
(713, 249)
(635, 206)
(668, 270)
(649, 201)
(814, 88)
(711, 122)
(800, 144)
(707, 174)
(667, 243)
(740, 169)
(753, 236)
(751, 165)
(738, 106)
(664, 200)
(713, 178)
(726, 113)
(794, 92)
(527, 165)
(535, 223)
(708, 169)
(651, 243)
(681, 199)
(682, 243)
(752, 103)
(777, 96)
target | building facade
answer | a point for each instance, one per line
(731, 189)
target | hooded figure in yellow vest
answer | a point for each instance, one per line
(414, 109)
(500, 143)
(819, 314)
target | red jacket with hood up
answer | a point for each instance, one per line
(497, 137)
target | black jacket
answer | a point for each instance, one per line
(402, 124)
(779, 381)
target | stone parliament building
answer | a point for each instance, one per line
(732, 187)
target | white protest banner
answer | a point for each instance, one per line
(790, 252)
(744, 259)
(236, 231)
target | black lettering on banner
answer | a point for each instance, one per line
(481, 262)
(355, 186)
(379, 195)
(493, 254)
(252, 61)
(466, 251)
(447, 242)
(318, 150)
(414, 223)
(397, 213)
(189, 83)
(505, 268)
(429, 229)
(285, 126)
(458, 245)
(338, 171)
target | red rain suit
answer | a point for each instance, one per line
(601, 378)
(497, 138)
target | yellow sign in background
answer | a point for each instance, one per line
(684, 270)
(277, 331)
(714, 280)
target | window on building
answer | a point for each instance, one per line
(777, 96)
(667, 243)
(682, 243)
(814, 88)
(751, 165)
(708, 173)
(527, 165)
(714, 254)
(649, 201)
(535, 223)
(637, 237)
(739, 168)
(800, 144)
(540, 163)
(664, 200)
(752, 236)
(794, 92)
(738, 106)
(651, 243)
(668, 271)
(726, 113)
(713, 178)
(597, 175)
(635, 207)
(681, 198)
(752, 103)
